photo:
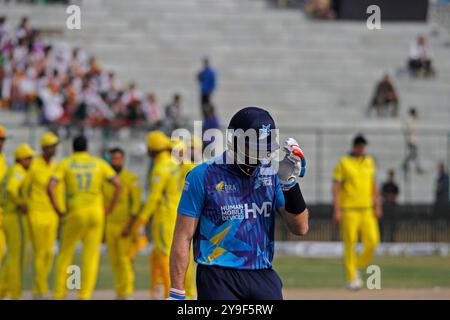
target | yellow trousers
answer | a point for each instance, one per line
(16, 234)
(43, 232)
(159, 274)
(86, 226)
(121, 262)
(355, 223)
(2, 239)
(2, 245)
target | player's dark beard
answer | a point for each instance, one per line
(117, 169)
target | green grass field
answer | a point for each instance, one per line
(308, 273)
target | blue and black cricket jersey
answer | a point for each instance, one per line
(236, 214)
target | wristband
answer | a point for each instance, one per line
(294, 202)
(176, 294)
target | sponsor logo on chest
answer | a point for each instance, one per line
(245, 211)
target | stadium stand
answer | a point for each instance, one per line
(317, 77)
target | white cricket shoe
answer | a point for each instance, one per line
(355, 285)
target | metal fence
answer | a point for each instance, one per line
(403, 223)
(322, 146)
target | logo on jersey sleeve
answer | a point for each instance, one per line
(186, 186)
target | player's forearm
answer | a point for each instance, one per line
(376, 195)
(336, 195)
(179, 262)
(298, 224)
(179, 256)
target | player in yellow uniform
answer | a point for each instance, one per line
(119, 223)
(356, 208)
(190, 158)
(83, 176)
(42, 218)
(156, 207)
(15, 225)
(3, 169)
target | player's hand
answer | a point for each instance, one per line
(337, 216)
(126, 231)
(378, 211)
(293, 165)
(22, 208)
(59, 213)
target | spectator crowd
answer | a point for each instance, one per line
(68, 87)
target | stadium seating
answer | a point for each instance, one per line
(317, 77)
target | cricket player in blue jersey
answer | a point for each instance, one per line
(228, 209)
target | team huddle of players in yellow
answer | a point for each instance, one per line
(90, 200)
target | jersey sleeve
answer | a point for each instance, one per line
(157, 183)
(27, 185)
(60, 171)
(13, 188)
(338, 174)
(107, 171)
(194, 193)
(279, 196)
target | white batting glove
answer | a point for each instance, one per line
(293, 165)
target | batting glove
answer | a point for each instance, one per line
(293, 165)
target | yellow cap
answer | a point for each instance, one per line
(23, 151)
(158, 141)
(49, 139)
(178, 145)
(2, 132)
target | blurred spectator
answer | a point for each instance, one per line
(207, 81)
(320, 9)
(389, 194)
(3, 29)
(173, 114)
(210, 121)
(132, 100)
(385, 100)
(151, 110)
(411, 138)
(69, 88)
(52, 104)
(420, 58)
(23, 29)
(390, 189)
(442, 187)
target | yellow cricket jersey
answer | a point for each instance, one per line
(175, 188)
(35, 185)
(357, 175)
(3, 169)
(11, 188)
(158, 197)
(130, 198)
(3, 166)
(84, 176)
